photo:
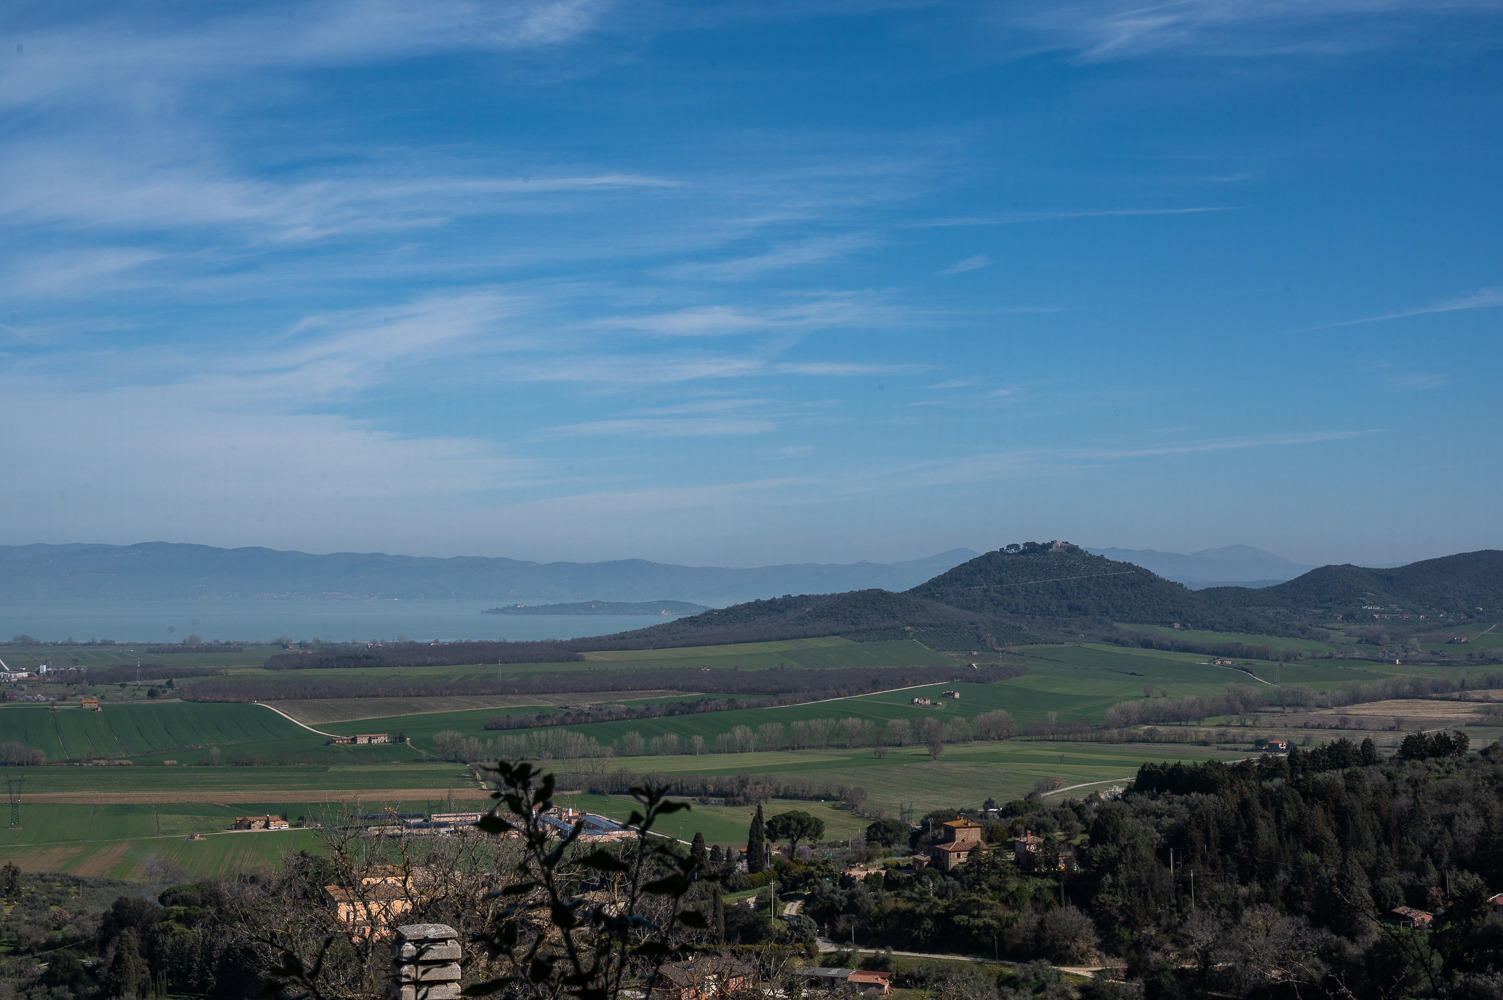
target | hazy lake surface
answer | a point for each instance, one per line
(261, 620)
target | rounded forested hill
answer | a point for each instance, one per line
(1461, 583)
(807, 616)
(1063, 581)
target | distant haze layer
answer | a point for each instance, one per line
(1232, 565)
(163, 571)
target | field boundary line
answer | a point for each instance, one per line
(292, 720)
(1084, 784)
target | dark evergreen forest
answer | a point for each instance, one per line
(1267, 878)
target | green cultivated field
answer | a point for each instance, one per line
(966, 775)
(293, 771)
(167, 729)
(235, 782)
(1073, 681)
(1271, 641)
(809, 654)
(812, 654)
(62, 657)
(724, 824)
(123, 840)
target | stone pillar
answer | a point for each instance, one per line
(425, 963)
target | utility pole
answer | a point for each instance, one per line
(1192, 890)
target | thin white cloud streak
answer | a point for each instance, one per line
(1487, 298)
(661, 428)
(130, 59)
(1419, 381)
(969, 264)
(827, 311)
(1022, 218)
(1099, 30)
(789, 255)
(1055, 462)
(81, 183)
(1217, 444)
(508, 334)
(71, 273)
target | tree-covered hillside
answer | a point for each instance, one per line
(1063, 581)
(1465, 583)
(807, 616)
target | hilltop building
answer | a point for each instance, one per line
(962, 839)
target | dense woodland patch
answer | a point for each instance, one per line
(1297, 863)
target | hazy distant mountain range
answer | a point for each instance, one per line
(1032, 589)
(654, 609)
(167, 571)
(1231, 566)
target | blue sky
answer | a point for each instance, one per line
(753, 283)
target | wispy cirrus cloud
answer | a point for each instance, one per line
(129, 56)
(1022, 218)
(968, 264)
(794, 254)
(1099, 30)
(1048, 462)
(1486, 298)
(667, 427)
(824, 310)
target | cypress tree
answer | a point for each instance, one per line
(715, 860)
(719, 918)
(697, 850)
(756, 845)
(127, 974)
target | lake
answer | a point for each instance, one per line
(263, 620)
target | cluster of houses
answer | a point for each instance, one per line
(597, 829)
(961, 838)
(942, 694)
(362, 738)
(260, 823)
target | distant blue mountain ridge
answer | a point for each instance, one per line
(1229, 566)
(171, 571)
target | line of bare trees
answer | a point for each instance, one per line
(811, 684)
(1240, 699)
(801, 734)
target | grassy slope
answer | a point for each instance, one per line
(812, 654)
(234, 782)
(1272, 641)
(965, 775)
(165, 729)
(725, 824)
(1077, 682)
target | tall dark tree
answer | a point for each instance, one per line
(719, 918)
(697, 850)
(756, 845)
(716, 861)
(888, 832)
(127, 975)
(795, 826)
